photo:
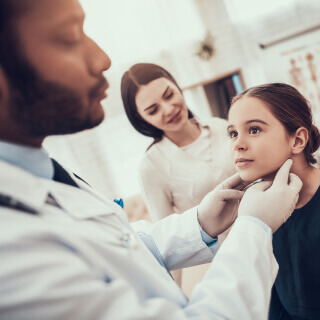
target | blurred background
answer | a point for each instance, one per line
(214, 49)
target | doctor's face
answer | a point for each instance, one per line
(58, 83)
(259, 143)
(161, 104)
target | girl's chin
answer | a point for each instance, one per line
(246, 177)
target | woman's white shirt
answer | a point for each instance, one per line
(175, 179)
(198, 149)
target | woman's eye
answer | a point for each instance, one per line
(153, 111)
(169, 95)
(255, 130)
(232, 134)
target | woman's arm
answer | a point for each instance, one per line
(155, 191)
(158, 199)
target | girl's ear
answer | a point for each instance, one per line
(300, 141)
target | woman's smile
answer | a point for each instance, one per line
(176, 118)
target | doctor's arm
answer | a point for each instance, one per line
(56, 281)
(182, 239)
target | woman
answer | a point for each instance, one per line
(188, 156)
(268, 125)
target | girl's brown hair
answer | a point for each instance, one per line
(290, 108)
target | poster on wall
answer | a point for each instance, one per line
(302, 66)
(297, 62)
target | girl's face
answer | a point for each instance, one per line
(259, 142)
(161, 104)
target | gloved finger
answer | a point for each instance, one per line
(242, 185)
(260, 186)
(289, 213)
(294, 182)
(231, 194)
(231, 182)
(295, 200)
(282, 175)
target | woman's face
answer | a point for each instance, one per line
(161, 104)
(259, 142)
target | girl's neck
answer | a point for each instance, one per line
(310, 177)
(189, 133)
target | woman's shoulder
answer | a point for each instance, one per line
(152, 151)
(214, 123)
(217, 127)
(152, 158)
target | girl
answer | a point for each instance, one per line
(188, 157)
(269, 124)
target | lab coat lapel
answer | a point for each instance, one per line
(19, 185)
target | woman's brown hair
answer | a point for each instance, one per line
(138, 75)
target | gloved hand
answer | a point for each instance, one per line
(272, 202)
(218, 209)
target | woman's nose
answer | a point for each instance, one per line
(169, 110)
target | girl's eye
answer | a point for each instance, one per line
(232, 134)
(254, 130)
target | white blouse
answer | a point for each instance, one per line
(175, 179)
(198, 149)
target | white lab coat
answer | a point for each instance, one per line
(74, 260)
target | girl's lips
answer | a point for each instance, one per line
(243, 163)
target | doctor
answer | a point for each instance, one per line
(66, 252)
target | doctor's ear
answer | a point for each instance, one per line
(300, 141)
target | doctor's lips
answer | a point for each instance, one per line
(176, 118)
(242, 162)
(99, 90)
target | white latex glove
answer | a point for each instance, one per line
(272, 202)
(218, 209)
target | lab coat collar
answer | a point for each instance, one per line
(80, 203)
(31, 159)
(22, 186)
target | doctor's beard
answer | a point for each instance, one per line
(45, 108)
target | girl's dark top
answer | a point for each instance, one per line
(296, 245)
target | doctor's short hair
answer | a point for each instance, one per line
(10, 53)
(291, 108)
(138, 75)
